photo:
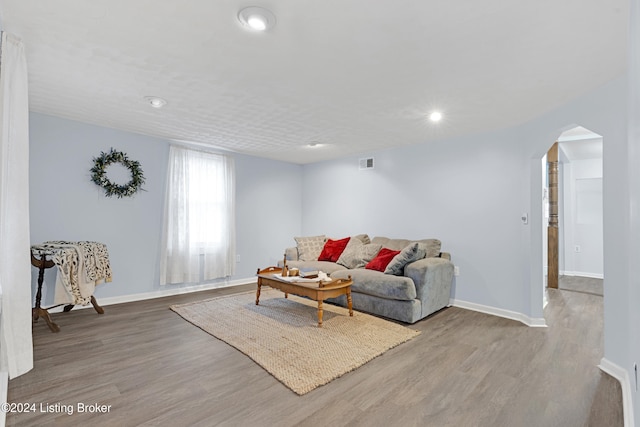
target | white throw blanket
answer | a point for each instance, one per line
(81, 266)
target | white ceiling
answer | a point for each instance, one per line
(355, 75)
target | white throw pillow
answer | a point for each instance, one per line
(309, 248)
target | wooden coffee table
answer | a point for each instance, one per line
(316, 290)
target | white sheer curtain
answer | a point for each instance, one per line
(16, 348)
(199, 217)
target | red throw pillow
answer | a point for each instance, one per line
(381, 260)
(333, 249)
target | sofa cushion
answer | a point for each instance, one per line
(433, 246)
(381, 260)
(333, 249)
(309, 248)
(410, 253)
(372, 282)
(291, 253)
(326, 266)
(364, 238)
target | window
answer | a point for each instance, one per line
(199, 227)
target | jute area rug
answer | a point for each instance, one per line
(283, 337)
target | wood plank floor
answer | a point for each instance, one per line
(465, 369)
(581, 284)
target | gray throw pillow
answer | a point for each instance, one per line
(348, 256)
(411, 253)
(309, 248)
(357, 255)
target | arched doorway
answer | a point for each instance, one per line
(576, 255)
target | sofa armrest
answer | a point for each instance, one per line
(432, 277)
(291, 254)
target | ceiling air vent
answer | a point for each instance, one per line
(366, 163)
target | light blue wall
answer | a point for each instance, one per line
(268, 211)
(453, 190)
(66, 205)
(459, 191)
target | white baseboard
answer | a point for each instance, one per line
(507, 314)
(166, 291)
(622, 376)
(582, 274)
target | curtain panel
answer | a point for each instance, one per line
(16, 348)
(198, 241)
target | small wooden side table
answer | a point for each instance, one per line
(37, 311)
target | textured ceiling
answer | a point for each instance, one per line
(355, 75)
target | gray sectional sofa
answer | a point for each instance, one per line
(414, 290)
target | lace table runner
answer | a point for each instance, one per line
(81, 266)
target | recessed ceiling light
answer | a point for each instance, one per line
(257, 22)
(256, 18)
(155, 102)
(436, 116)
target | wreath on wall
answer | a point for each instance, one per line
(99, 174)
